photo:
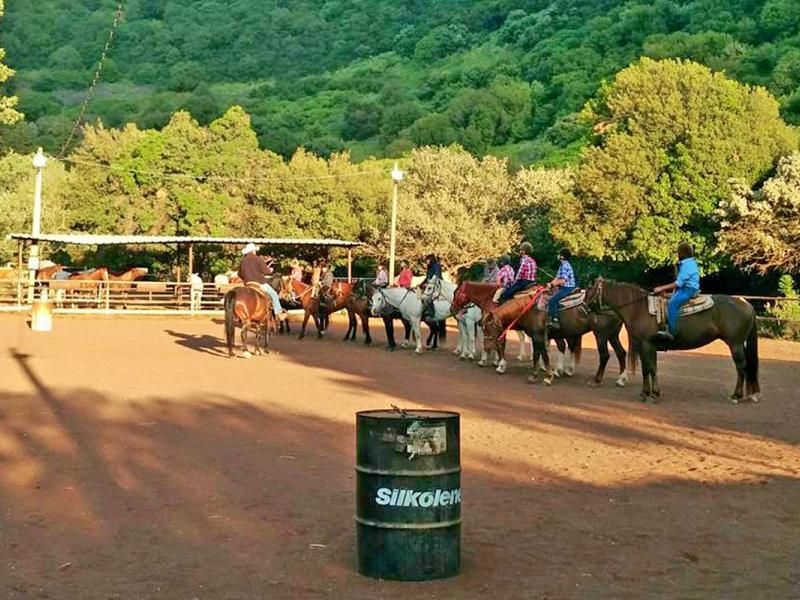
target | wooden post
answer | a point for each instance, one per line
(191, 259)
(349, 265)
(20, 272)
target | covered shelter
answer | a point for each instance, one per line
(189, 242)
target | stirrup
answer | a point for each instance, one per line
(665, 335)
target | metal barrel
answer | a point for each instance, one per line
(408, 494)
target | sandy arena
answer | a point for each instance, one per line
(139, 462)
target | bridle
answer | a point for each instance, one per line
(386, 302)
(598, 301)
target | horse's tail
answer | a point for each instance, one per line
(633, 354)
(576, 353)
(751, 357)
(230, 319)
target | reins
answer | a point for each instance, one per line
(528, 306)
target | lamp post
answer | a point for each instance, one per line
(397, 177)
(39, 163)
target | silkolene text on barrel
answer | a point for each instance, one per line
(433, 498)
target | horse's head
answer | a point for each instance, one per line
(286, 286)
(378, 304)
(432, 289)
(460, 298)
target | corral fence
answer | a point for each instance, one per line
(178, 298)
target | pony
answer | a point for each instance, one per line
(467, 317)
(385, 301)
(730, 319)
(307, 300)
(481, 294)
(251, 309)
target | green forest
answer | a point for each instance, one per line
(501, 77)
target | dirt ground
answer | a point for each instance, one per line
(136, 461)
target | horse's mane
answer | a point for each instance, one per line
(630, 291)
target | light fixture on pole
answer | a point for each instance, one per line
(397, 177)
(39, 163)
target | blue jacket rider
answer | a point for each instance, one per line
(686, 286)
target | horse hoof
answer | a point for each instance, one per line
(621, 381)
(533, 379)
(547, 381)
(569, 372)
(418, 352)
(651, 399)
(481, 363)
(247, 355)
(754, 398)
(595, 384)
(558, 373)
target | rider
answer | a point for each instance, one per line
(505, 277)
(381, 277)
(434, 272)
(563, 284)
(297, 271)
(255, 268)
(526, 274)
(405, 276)
(686, 286)
(491, 273)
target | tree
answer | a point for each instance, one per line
(453, 204)
(671, 136)
(760, 228)
(8, 116)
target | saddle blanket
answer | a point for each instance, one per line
(574, 299)
(657, 306)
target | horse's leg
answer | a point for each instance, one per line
(477, 341)
(306, 315)
(535, 358)
(561, 346)
(500, 349)
(622, 357)
(738, 355)
(266, 334)
(352, 325)
(245, 327)
(521, 352)
(540, 341)
(648, 355)
(388, 324)
(569, 369)
(318, 322)
(365, 327)
(459, 349)
(416, 328)
(602, 351)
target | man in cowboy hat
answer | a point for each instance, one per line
(255, 268)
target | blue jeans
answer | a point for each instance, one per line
(680, 297)
(515, 287)
(276, 300)
(552, 304)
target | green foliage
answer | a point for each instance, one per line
(787, 314)
(760, 229)
(672, 135)
(8, 115)
(454, 205)
(503, 77)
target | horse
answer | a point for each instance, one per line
(308, 301)
(467, 318)
(730, 319)
(481, 294)
(250, 308)
(386, 301)
(46, 273)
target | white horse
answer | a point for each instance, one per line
(409, 303)
(468, 319)
(196, 291)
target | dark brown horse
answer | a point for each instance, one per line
(337, 297)
(732, 320)
(250, 308)
(576, 321)
(308, 300)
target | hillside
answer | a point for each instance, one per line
(504, 77)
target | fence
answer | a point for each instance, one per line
(171, 297)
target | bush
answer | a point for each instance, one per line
(788, 313)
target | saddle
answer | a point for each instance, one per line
(575, 298)
(657, 306)
(255, 286)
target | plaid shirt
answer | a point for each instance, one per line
(566, 273)
(527, 269)
(506, 276)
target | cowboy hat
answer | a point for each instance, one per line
(250, 247)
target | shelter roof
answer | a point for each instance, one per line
(106, 240)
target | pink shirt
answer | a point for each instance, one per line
(506, 275)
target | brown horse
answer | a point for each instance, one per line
(732, 320)
(132, 274)
(577, 321)
(250, 308)
(338, 296)
(307, 299)
(47, 273)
